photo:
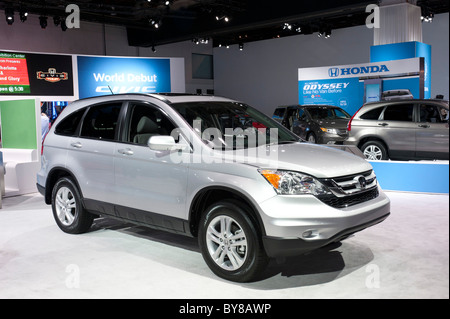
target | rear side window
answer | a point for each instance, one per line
(100, 121)
(400, 113)
(69, 125)
(279, 112)
(373, 114)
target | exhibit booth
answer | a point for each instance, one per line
(35, 88)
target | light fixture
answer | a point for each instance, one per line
(222, 17)
(9, 13)
(153, 49)
(287, 26)
(167, 3)
(23, 14)
(241, 46)
(43, 22)
(63, 25)
(57, 20)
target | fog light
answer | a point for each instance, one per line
(310, 234)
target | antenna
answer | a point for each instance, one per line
(112, 93)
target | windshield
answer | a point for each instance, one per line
(327, 113)
(231, 125)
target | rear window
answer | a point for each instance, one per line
(69, 125)
(372, 114)
(279, 112)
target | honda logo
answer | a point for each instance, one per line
(333, 72)
(360, 182)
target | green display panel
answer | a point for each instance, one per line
(18, 124)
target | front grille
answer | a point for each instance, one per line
(347, 201)
(350, 190)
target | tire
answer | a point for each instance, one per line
(311, 138)
(223, 227)
(375, 151)
(68, 209)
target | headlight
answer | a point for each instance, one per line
(329, 130)
(293, 183)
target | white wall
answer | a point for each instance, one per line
(94, 39)
(265, 73)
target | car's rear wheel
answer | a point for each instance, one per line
(375, 151)
(68, 209)
(230, 243)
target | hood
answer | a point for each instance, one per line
(316, 160)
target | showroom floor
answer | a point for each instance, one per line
(407, 256)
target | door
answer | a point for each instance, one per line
(90, 155)
(432, 132)
(149, 185)
(397, 127)
(301, 123)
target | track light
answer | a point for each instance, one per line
(241, 46)
(57, 20)
(63, 25)
(9, 13)
(43, 22)
(23, 14)
(153, 49)
(223, 17)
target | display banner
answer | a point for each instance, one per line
(99, 76)
(35, 74)
(344, 85)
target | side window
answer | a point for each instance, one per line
(301, 115)
(279, 113)
(145, 122)
(373, 114)
(69, 125)
(399, 112)
(100, 121)
(432, 114)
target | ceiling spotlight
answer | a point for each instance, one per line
(287, 26)
(167, 3)
(9, 13)
(63, 25)
(224, 18)
(241, 46)
(298, 29)
(43, 22)
(57, 20)
(23, 14)
(153, 49)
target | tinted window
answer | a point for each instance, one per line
(279, 112)
(101, 121)
(373, 114)
(301, 115)
(432, 114)
(69, 125)
(402, 112)
(145, 122)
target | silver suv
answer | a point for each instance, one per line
(206, 167)
(403, 130)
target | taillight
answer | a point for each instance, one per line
(42, 147)
(349, 125)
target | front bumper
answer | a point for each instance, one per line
(297, 224)
(328, 138)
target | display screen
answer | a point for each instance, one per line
(35, 74)
(14, 74)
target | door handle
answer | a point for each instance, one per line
(424, 126)
(126, 151)
(383, 124)
(76, 145)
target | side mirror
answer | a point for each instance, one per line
(164, 143)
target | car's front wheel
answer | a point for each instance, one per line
(230, 243)
(68, 209)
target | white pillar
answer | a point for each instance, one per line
(400, 21)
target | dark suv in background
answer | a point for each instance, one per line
(402, 130)
(321, 124)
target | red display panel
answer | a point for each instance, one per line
(14, 74)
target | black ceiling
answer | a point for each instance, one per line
(180, 20)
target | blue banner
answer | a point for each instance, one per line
(99, 76)
(346, 93)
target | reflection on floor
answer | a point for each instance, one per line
(407, 256)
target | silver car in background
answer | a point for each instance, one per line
(186, 164)
(402, 130)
